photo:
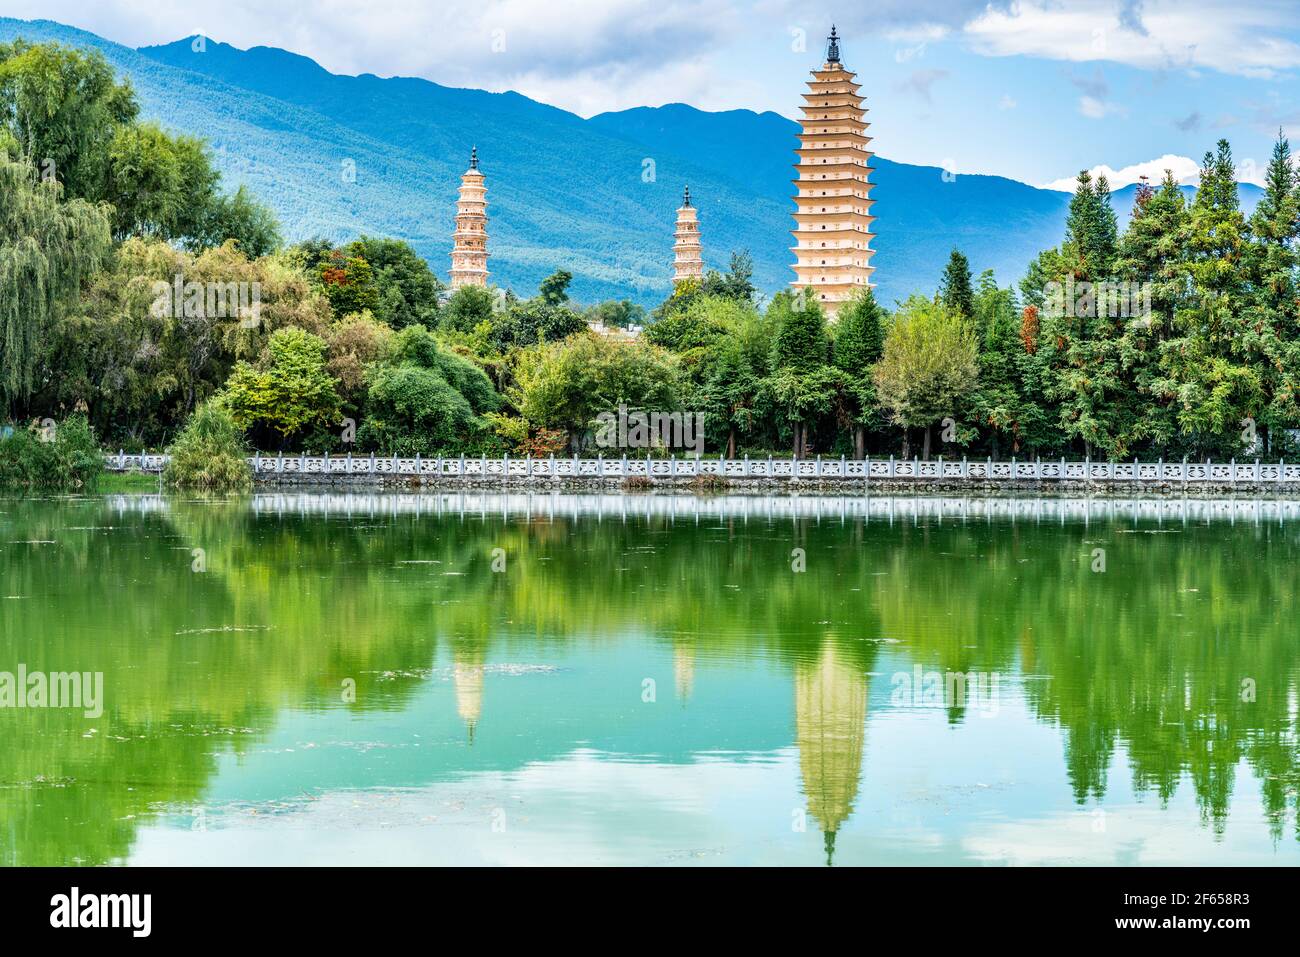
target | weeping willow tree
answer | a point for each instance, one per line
(47, 246)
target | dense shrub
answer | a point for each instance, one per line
(59, 457)
(210, 454)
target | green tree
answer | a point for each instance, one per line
(554, 290)
(929, 365)
(858, 345)
(732, 372)
(47, 248)
(466, 309)
(566, 385)
(1212, 360)
(617, 314)
(955, 290)
(1273, 308)
(1152, 254)
(159, 185)
(64, 108)
(423, 399)
(802, 383)
(738, 281)
(288, 393)
(1091, 229)
(349, 283)
(240, 217)
(406, 287)
(999, 402)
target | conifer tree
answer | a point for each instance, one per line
(859, 343)
(1213, 361)
(1273, 311)
(955, 291)
(1151, 258)
(802, 382)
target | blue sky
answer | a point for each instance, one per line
(1032, 89)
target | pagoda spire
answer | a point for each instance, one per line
(832, 191)
(469, 242)
(687, 260)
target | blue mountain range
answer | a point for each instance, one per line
(338, 156)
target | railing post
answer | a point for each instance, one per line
(672, 465)
(505, 467)
(746, 466)
(1234, 471)
(528, 468)
(965, 468)
(600, 465)
(891, 464)
(1184, 472)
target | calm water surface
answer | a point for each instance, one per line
(646, 680)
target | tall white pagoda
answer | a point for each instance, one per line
(469, 241)
(688, 263)
(833, 196)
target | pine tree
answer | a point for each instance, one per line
(955, 290)
(1152, 258)
(1273, 312)
(802, 382)
(1091, 229)
(859, 343)
(998, 401)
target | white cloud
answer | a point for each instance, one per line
(1230, 36)
(1006, 103)
(1096, 109)
(1185, 170)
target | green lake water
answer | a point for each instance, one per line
(489, 679)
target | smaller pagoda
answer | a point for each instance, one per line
(469, 241)
(688, 262)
